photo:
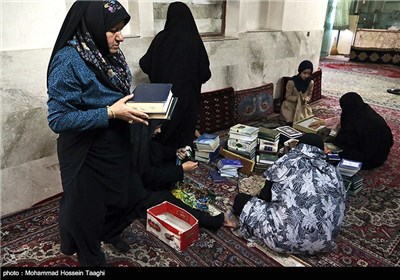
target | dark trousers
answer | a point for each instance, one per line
(242, 198)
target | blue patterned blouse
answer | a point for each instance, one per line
(77, 100)
(307, 207)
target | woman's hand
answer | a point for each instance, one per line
(189, 166)
(181, 153)
(124, 112)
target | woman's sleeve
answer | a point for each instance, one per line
(309, 92)
(66, 111)
(291, 95)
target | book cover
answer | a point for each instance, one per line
(241, 144)
(268, 134)
(151, 98)
(229, 163)
(244, 130)
(216, 177)
(207, 142)
(248, 164)
(289, 131)
(167, 115)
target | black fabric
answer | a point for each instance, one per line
(266, 192)
(240, 201)
(312, 139)
(300, 84)
(69, 26)
(364, 135)
(155, 162)
(100, 187)
(177, 55)
(158, 171)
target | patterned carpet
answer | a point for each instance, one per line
(370, 235)
(369, 80)
(30, 239)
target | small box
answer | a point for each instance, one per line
(173, 225)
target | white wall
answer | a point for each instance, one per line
(244, 59)
(31, 24)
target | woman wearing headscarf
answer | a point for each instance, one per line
(363, 135)
(299, 91)
(158, 171)
(177, 55)
(301, 208)
(88, 84)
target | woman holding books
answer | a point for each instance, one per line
(88, 83)
(301, 208)
(299, 91)
(177, 55)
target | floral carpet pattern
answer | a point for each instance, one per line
(370, 235)
(369, 80)
(30, 238)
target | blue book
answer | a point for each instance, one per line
(227, 163)
(207, 142)
(151, 98)
(216, 177)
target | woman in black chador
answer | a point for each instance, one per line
(364, 135)
(156, 165)
(177, 55)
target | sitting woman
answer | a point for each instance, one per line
(363, 135)
(301, 208)
(298, 94)
(158, 173)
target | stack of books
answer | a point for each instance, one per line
(243, 140)
(206, 147)
(267, 152)
(348, 167)
(229, 167)
(353, 184)
(155, 99)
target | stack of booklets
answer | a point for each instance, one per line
(155, 99)
(206, 147)
(243, 140)
(289, 132)
(348, 167)
(267, 152)
(353, 184)
(229, 167)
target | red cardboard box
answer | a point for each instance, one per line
(173, 225)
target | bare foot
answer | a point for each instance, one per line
(230, 219)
